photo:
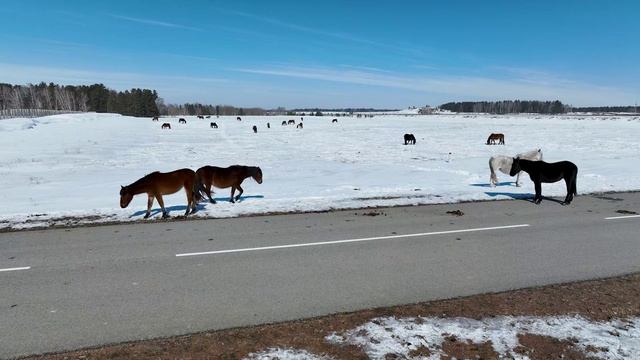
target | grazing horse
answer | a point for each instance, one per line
(255, 129)
(299, 126)
(157, 184)
(208, 116)
(334, 121)
(409, 139)
(166, 126)
(284, 123)
(231, 176)
(493, 137)
(214, 125)
(291, 122)
(238, 118)
(182, 121)
(540, 171)
(504, 163)
(155, 118)
(200, 117)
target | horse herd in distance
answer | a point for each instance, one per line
(214, 125)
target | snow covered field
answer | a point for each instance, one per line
(57, 168)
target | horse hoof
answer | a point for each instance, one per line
(165, 216)
(147, 216)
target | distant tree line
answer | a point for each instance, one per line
(96, 97)
(342, 110)
(629, 109)
(507, 107)
(202, 109)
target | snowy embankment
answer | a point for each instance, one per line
(69, 168)
(411, 338)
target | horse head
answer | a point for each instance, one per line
(515, 166)
(125, 196)
(257, 175)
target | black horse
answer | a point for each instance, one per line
(214, 125)
(543, 172)
(409, 139)
(255, 129)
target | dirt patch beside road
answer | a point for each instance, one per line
(598, 300)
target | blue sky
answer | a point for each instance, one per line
(331, 53)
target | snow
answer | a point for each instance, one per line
(285, 354)
(71, 166)
(615, 339)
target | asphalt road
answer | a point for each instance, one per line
(71, 288)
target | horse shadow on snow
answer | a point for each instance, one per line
(519, 196)
(199, 207)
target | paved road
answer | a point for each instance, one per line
(95, 285)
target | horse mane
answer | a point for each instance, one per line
(142, 180)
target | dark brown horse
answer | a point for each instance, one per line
(334, 120)
(284, 123)
(409, 139)
(155, 118)
(493, 137)
(544, 172)
(200, 117)
(231, 176)
(157, 184)
(239, 118)
(166, 126)
(291, 122)
(214, 125)
(182, 121)
(300, 126)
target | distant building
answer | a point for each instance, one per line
(427, 110)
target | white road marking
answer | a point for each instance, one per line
(351, 240)
(621, 217)
(16, 268)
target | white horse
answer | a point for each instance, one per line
(503, 163)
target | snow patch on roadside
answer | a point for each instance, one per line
(285, 354)
(615, 339)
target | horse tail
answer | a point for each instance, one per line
(198, 189)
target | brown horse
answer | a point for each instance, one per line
(493, 137)
(157, 184)
(231, 176)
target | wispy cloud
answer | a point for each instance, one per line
(154, 22)
(331, 34)
(456, 87)
(19, 74)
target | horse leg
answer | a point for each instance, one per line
(493, 179)
(570, 191)
(518, 179)
(233, 191)
(207, 190)
(190, 202)
(240, 192)
(538, 198)
(161, 202)
(149, 205)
